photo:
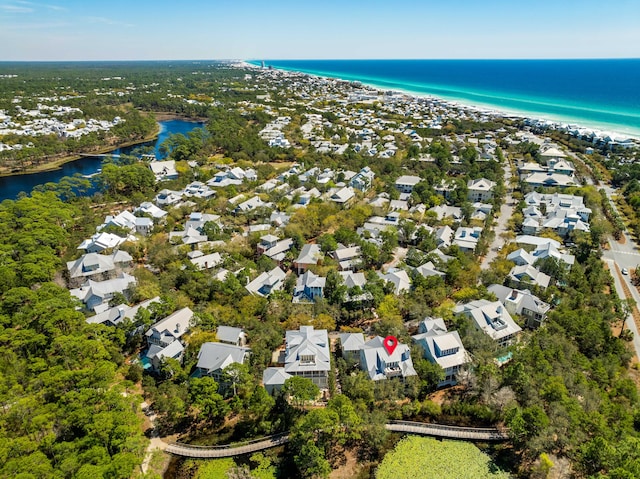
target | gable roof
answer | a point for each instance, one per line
(351, 341)
(215, 356)
(174, 325)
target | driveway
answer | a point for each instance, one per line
(506, 212)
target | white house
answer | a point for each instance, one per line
(442, 347)
(522, 303)
(376, 361)
(164, 170)
(492, 318)
(480, 190)
(406, 183)
(267, 282)
(307, 355)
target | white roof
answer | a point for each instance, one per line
(408, 180)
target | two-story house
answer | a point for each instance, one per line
(492, 318)
(307, 355)
(442, 347)
(376, 361)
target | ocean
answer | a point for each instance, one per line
(597, 94)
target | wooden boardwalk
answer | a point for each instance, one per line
(228, 450)
(449, 432)
(419, 428)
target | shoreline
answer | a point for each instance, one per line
(476, 106)
(57, 164)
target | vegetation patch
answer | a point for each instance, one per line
(426, 458)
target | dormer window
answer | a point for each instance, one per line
(308, 359)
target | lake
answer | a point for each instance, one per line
(11, 186)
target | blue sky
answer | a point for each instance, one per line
(248, 29)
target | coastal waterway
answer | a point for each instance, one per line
(12, 186)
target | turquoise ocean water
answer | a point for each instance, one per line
(598, 94)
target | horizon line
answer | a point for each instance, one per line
(317, 59)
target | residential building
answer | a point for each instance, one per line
(310, 255)
(480, 190)
(399, 278)
(97, 266)
(273, 379)
(164, 170)
(376, 361)
(213, 358)
(97, 294)
(406, 183)
(116, 315)
(231, 335)
(442, 347)
(350, 345)
(492, 318)
(204, 261)
(307, 355)
(522, 303)
(170, 329)
(528, 275)
(466, 238)
(309, 287)
(363, 180)
(267, 282)
(347, 258)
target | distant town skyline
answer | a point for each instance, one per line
(468, 29)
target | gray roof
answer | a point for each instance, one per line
(228, 334)
(351, 341)
(275, 376)
(307, 342)
(215, 356)
(309, 254)
(172, 350)
(121, 312)
(94, 263)
(174, 325)
(374, 359)
(490, 317)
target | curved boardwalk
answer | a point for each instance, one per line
(448, 432)
(227, 450)
(424, 429)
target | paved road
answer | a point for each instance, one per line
(630, 323)
(506, 212)
(626, 255)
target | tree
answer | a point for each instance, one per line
(335, 290)
(300, 390)
(206, 403)
(311, 462)
(237, 375)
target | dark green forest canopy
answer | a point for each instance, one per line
(565, 392)
(62, 411)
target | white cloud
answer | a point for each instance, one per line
(16, 9)
(42, 5)
(107, 21)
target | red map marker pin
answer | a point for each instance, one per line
(390, 343)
